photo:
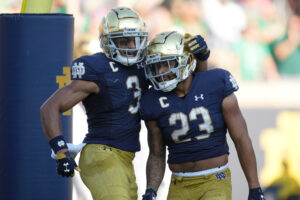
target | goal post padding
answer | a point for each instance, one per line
(34, 48)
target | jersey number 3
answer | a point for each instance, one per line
(130, 83)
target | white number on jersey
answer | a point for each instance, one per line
(130, 83)
(205, 126)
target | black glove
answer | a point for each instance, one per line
(197, 46)
(256, 194)
(65, 165)
(150, 194)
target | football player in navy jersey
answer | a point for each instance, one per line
(190, 113)
(110, 85)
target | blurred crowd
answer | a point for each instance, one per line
(257, 40)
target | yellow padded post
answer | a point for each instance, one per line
(36, 6)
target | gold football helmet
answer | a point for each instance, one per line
(123, 36)
(169, 61)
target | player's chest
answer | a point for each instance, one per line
(196, 108)
(171, 103)
(122, 81)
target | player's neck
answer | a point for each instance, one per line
(183, 87)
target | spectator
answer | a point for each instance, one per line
(188, 15)
(286, 50)
(226, 20)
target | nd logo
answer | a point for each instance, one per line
(64, 80)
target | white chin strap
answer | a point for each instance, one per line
(168, 86)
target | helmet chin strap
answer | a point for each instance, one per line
(126, 60)
(168, 86)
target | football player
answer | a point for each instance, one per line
(110, 85)
(190, 113)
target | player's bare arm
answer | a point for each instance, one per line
(157, 156)
(62, 100)
(239, 134)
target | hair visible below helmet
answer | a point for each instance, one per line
(168, 48)
(122, 23)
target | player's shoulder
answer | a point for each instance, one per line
(218, 72)
(149, 95)
(96, 57)
(150, 108)
(95, 61)
(217, 78)
(89, 67)
(225, 76)
(212, 75)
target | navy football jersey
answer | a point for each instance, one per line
(112, 114)
(193, 127)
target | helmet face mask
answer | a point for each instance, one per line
(120, 29)
(164, 72)
(168, 63)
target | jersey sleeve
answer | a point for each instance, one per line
(81, 70)
(231, 84)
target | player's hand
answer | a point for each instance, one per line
(197, 46)
(65, 165)
(150, 194)
(256, 194)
